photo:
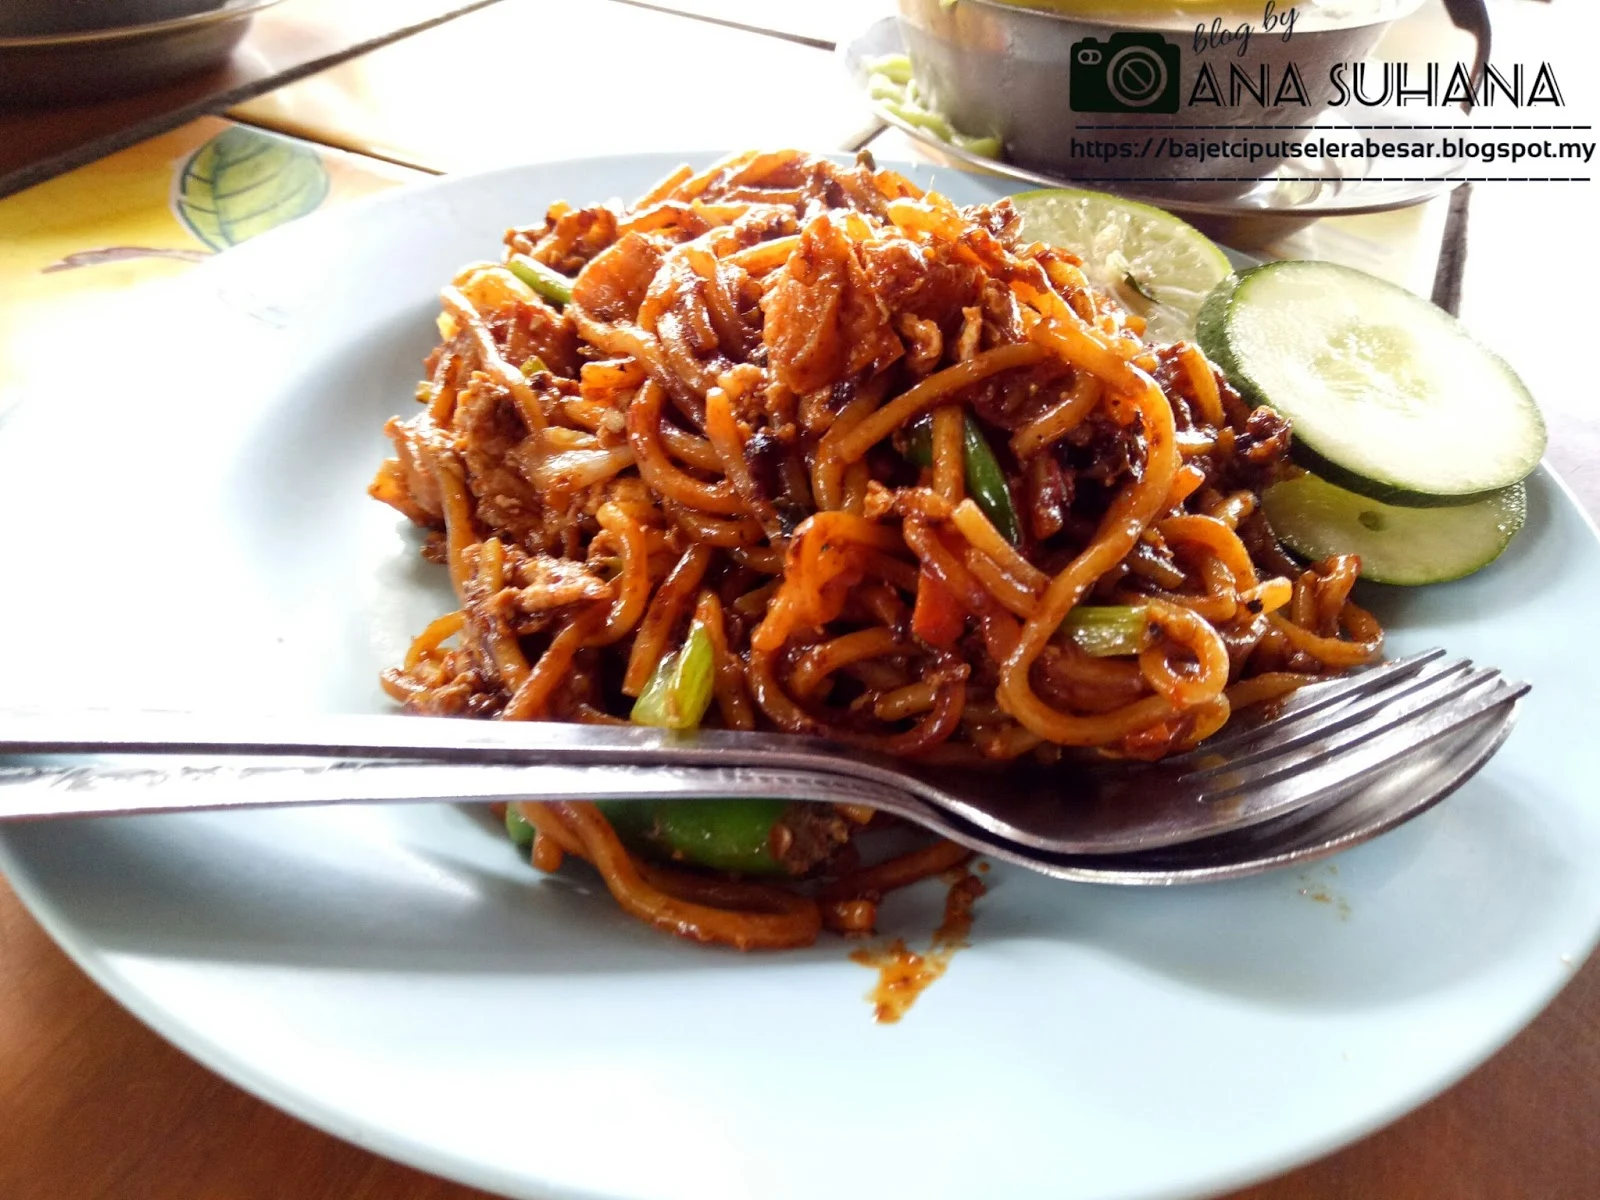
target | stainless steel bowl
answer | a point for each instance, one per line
(53, 53)
(1000, 70)
(48, 18)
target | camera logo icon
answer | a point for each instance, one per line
(1127, 73)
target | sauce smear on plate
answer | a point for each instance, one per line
(903, 974)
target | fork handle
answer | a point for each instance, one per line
(33, 790)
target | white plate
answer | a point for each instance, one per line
(185, 525)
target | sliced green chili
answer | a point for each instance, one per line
(519, 828)
(986, 482)
(722, 835)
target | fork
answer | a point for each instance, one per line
(1323, 745)
(1292, 839)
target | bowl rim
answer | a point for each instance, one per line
(229, 10)
(1406, 8)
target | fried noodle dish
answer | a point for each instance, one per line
(795, 446)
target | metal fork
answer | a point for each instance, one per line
(1430, 722)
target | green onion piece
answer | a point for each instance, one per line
(549, 283)
(986, 482)
(914, 114)
(1107, 630)
(519, 828)
(679, 692)
(881, 87)
(890, 86)
(983, 147)
(896, 66)
(723, 835)
(534, 366)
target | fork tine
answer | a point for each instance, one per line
(1317, 771)
(1311, 701)
(1315, 698)
(1380, 805)
(1273, 741)
(1410, 752)
(1115, 810)
(1345, 730)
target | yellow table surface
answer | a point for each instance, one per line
(72, 248)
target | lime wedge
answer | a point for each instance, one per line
(1154, 264)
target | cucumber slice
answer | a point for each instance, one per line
(1388, 395)
(1397, 544)
(1154, 264)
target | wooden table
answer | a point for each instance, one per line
(93, 1105)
